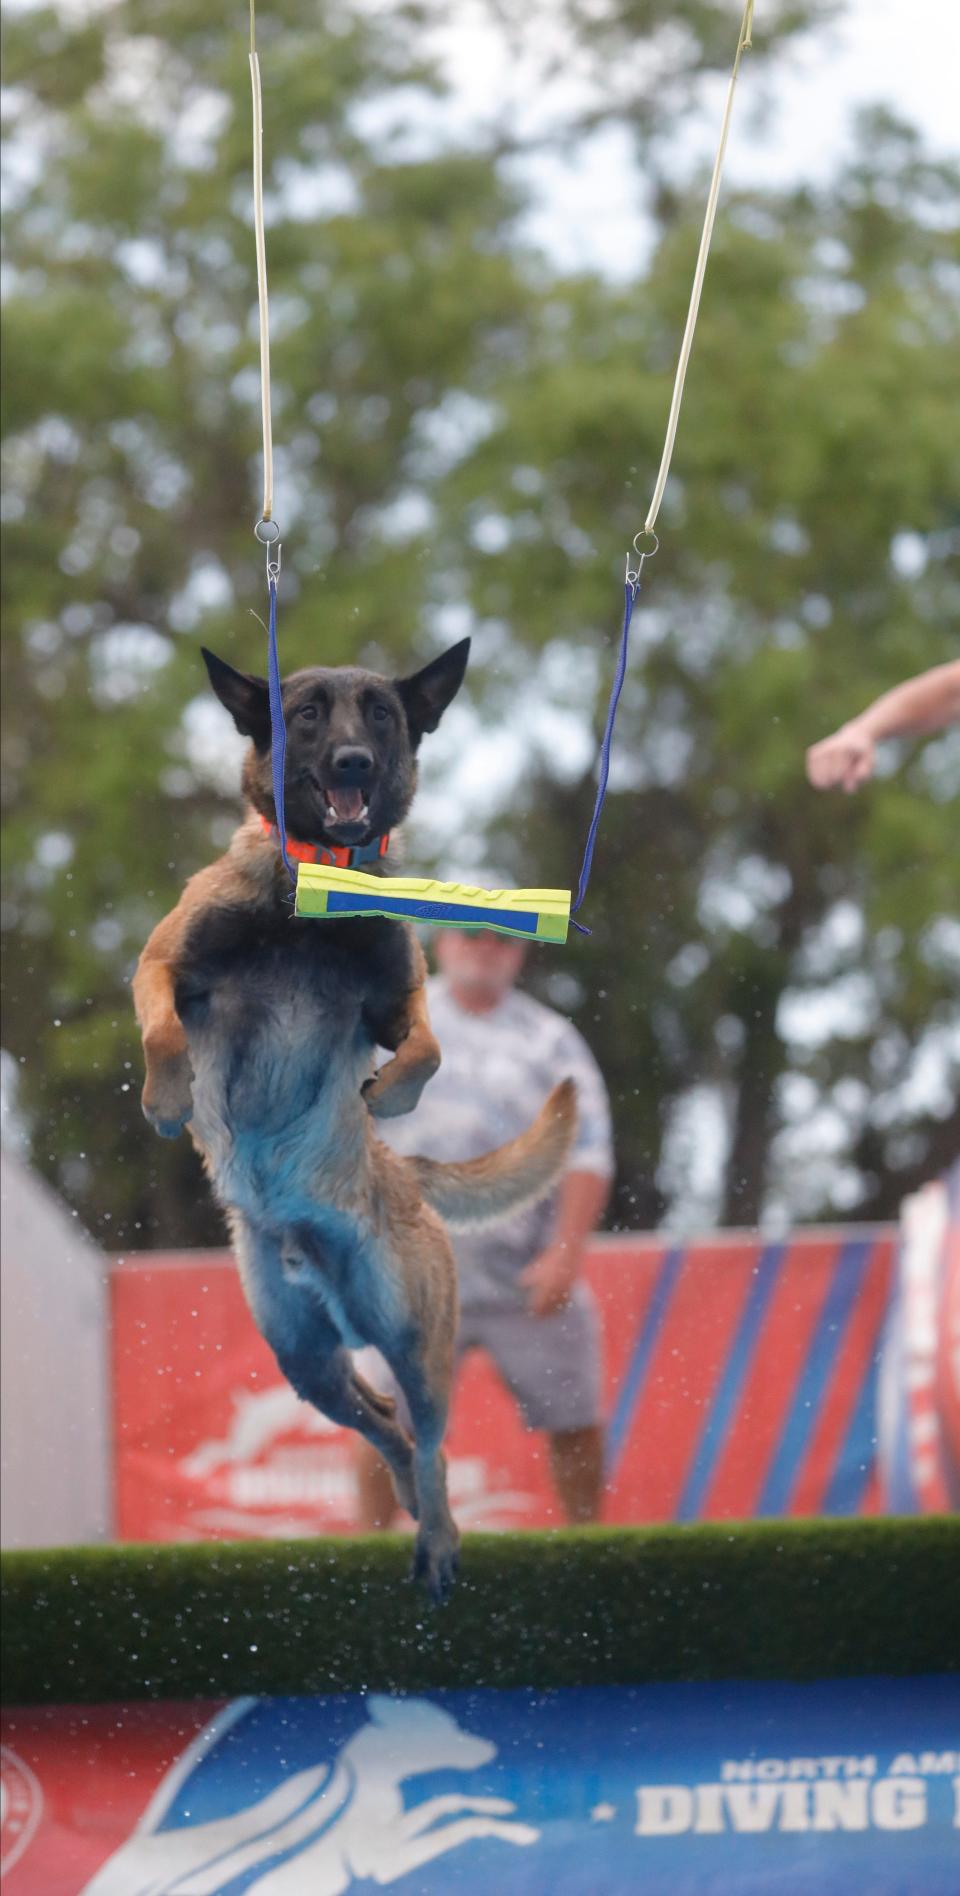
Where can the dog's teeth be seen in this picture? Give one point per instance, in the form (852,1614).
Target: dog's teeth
(334,816)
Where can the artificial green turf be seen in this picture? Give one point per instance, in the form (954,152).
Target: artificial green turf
(790,1600)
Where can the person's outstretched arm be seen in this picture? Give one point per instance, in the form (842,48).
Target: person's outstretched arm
(915,708)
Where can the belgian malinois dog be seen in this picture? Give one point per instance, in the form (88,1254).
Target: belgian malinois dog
(260,1032)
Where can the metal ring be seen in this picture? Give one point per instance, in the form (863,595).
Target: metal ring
(648,552)
(267,532)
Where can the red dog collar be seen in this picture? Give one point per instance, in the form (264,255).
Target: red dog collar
(324,853)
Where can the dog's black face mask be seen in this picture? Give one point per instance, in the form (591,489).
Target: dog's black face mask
(352,741)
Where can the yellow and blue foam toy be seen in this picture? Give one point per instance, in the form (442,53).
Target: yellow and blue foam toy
(325,891)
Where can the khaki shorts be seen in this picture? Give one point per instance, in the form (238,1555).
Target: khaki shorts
(551,1365)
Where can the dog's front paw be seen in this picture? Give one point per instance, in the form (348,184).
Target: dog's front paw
(167,1098)
(396,1089)
(390,1101)
(436,1561)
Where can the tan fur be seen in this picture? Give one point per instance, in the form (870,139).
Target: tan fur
(325,1190)
(479,1191)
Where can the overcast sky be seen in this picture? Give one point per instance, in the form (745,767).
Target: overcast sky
(904,53)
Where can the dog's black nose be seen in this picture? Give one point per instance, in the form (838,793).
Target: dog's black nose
(352,764)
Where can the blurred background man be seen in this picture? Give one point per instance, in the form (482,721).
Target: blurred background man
(522,1297)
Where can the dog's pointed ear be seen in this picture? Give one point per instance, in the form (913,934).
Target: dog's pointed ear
(427,694)
(246,698)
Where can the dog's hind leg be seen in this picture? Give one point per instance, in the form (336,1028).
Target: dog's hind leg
(424,1372)
(436,1553)
(334,1387)
(310,1352)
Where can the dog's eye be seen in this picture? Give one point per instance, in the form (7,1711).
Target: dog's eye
(308,711)
(379,713)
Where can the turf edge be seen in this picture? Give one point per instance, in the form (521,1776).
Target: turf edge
(789,1600)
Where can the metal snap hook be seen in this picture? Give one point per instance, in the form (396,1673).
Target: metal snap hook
(268,534)
(634,574)
(645,553)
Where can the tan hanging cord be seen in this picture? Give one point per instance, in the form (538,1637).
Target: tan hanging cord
(267,513)
(744,42)
(686,346)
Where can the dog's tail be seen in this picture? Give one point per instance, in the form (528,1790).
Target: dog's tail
(479,1191)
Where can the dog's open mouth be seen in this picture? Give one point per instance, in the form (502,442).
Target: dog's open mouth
(345,807)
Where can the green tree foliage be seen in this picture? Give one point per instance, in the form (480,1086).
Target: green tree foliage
(789,958)
(460,431)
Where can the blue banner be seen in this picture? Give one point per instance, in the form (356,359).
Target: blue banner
(715,1790)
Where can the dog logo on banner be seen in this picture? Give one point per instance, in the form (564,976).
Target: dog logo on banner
(323,1827)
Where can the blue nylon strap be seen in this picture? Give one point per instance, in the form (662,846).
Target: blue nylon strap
(278,728)
(630,591)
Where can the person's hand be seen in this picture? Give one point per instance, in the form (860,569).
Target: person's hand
(549,1280)
(843,761)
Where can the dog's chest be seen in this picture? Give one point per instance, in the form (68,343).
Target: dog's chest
(270,1000)
(271,1049)
(280,1020)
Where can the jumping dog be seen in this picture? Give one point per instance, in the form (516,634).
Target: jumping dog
(260,1032)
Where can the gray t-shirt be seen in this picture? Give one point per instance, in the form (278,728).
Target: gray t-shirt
(497,1070)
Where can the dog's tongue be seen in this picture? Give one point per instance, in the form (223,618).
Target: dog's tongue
(346,804)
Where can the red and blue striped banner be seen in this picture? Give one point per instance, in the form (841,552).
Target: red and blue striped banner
(741,1380)
(749,1384)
